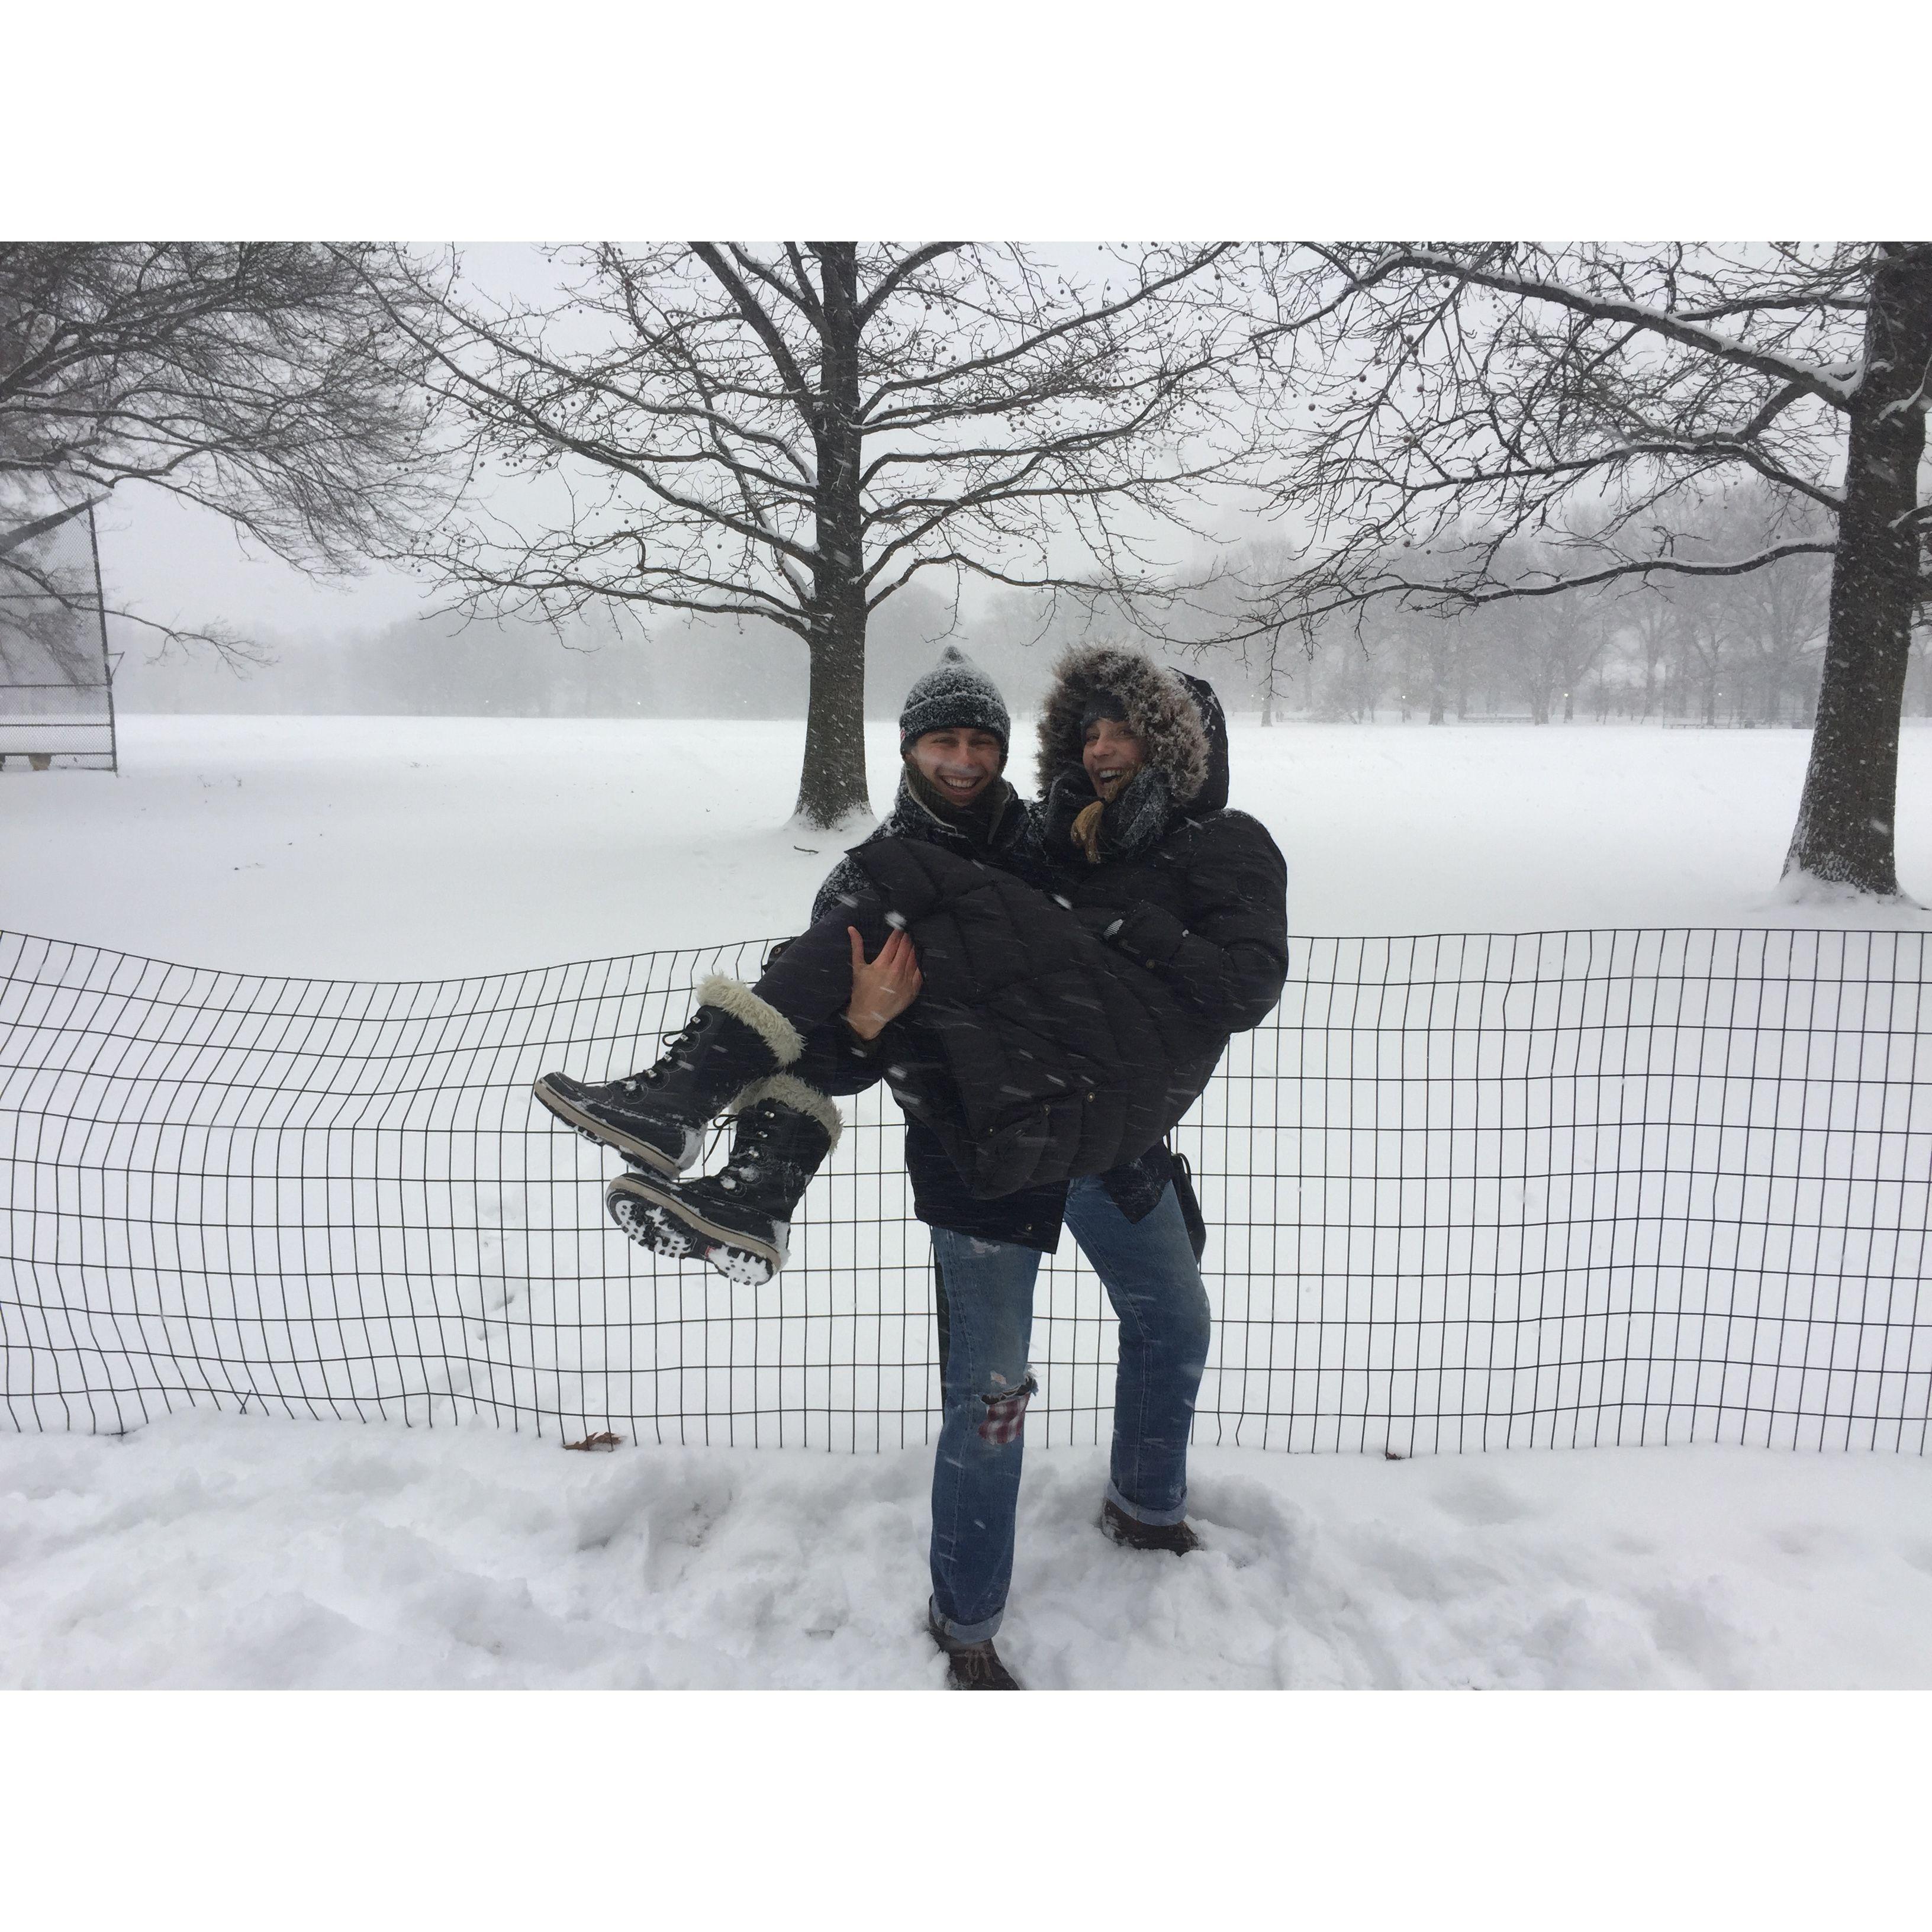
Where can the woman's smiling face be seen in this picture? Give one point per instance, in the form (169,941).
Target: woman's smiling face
(1112,754)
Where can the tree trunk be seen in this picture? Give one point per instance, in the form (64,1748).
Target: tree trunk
(1844,835)
(831,783)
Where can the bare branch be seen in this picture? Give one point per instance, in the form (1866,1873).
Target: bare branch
(1829,386)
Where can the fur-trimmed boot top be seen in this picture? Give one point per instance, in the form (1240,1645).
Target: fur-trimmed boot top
(655,1117)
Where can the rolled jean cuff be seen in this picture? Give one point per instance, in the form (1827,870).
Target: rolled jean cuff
(1152,1518)
(963,1633)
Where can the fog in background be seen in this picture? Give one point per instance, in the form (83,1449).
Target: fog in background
(1727,651)
(594,666)
(1742,655)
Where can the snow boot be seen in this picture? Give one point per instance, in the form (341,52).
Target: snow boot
(971,1666)
(1117,1526)
(739,1220)
(655,1118)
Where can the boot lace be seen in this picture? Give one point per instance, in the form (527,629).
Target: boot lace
(676,1045)
(762,1119)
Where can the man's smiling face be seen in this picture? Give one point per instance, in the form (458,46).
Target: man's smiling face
(958,764)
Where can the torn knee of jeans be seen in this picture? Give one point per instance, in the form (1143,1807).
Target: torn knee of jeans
(1005,1412)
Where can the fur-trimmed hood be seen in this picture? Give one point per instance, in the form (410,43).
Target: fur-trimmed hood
(1177,718)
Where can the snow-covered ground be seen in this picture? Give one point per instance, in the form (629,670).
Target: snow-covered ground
(222,1551)
(218,1551)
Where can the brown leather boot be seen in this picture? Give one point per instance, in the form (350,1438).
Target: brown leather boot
(972,1666)
(1132,1534)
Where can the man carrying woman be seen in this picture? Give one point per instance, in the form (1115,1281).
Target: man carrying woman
(1078,970)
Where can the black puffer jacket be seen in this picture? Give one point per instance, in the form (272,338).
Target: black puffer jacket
(1036,1053)
(1201,890)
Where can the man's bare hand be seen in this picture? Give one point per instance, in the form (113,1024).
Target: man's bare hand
(883,988)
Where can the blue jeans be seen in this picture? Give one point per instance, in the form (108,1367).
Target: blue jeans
(1148,1269)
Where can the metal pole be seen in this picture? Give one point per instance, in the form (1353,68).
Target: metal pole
(107,669)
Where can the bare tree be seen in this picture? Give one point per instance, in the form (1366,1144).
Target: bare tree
(1783,610)
(1569,646)
(1709,637)
(794,432)
(1583,394)
(266,381)
(1649,625)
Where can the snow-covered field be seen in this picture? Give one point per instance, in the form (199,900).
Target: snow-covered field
(412,847)
(220,1551)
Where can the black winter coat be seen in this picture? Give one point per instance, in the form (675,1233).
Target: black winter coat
(1201,890)
(1027,1011)
(1036,1054)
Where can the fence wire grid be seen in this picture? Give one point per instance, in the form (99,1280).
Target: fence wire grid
(1463,1191)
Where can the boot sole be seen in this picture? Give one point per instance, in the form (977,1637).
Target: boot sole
(638,1153)
(651,1228)
(634,1206)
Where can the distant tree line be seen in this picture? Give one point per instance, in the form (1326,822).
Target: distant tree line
(1742,651)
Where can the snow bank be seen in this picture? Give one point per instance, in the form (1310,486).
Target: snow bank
(225,1553)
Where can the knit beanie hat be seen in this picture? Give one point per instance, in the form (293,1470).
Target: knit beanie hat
(954,695)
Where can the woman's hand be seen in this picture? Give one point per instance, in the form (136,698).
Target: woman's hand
(883,989)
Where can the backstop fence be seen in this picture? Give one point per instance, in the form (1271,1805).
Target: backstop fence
(56,679)
(1463,1191)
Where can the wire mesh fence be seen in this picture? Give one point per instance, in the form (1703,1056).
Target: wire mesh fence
(1463,1191)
